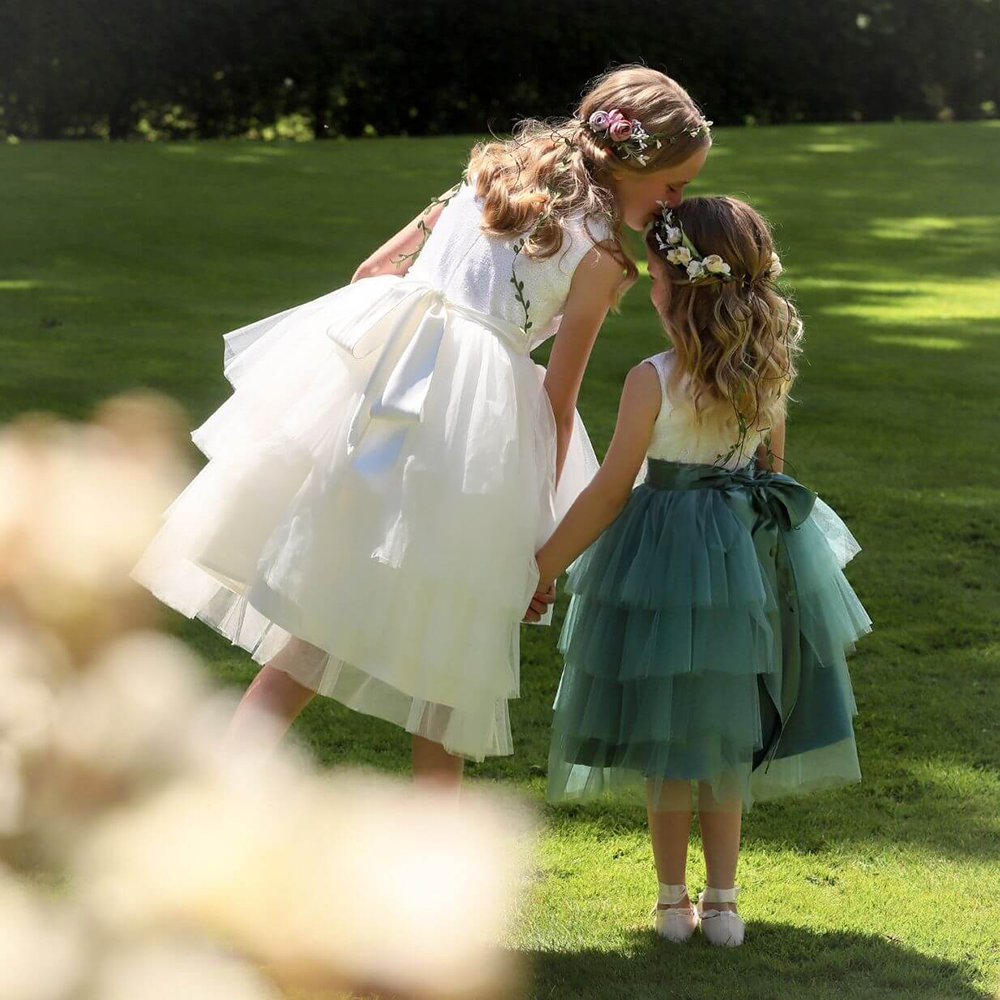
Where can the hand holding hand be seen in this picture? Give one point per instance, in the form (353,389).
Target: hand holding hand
(544,596)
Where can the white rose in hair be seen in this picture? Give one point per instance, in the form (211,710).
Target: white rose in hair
(679,255)
(775,269)
(714,264)
(673,235)
(696,269)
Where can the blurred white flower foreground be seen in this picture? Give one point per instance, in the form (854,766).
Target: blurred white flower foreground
(140,859)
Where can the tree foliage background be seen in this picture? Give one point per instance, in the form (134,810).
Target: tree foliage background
(263,68)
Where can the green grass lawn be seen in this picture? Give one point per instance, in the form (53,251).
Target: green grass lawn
(123,265)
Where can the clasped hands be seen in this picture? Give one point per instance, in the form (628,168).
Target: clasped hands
(545,595)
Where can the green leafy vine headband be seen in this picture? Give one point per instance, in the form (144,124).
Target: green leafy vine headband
(629,139)
(678,249)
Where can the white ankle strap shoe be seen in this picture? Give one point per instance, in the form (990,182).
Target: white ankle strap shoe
(720,927)
(677,923)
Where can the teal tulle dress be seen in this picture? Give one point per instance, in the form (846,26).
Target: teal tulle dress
(707,635)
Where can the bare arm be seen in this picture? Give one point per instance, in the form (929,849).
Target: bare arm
(398,252)
(602,501)
(590,296)
(776,461)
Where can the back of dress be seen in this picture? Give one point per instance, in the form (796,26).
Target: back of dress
(677,437)
(474,268)
(379,482)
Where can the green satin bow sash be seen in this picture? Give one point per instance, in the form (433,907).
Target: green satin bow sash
(770,504)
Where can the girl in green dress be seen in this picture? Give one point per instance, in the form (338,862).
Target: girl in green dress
(706,638)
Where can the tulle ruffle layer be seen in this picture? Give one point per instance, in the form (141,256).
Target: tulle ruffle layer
(390,573)
(673,655)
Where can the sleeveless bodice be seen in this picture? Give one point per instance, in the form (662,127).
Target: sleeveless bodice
(474,269)
(678,438)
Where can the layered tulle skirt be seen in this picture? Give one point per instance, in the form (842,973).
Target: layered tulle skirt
(376,488)
(706,641)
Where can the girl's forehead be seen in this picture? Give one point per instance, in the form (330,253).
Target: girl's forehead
(686,170)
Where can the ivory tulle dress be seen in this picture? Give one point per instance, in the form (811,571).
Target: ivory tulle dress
(379,481)
(708,632)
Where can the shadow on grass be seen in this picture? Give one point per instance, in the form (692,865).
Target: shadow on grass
(777,960)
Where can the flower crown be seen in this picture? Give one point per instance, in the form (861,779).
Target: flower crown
(630,139)
(681,252)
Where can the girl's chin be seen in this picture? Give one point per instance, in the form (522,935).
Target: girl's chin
(641,224)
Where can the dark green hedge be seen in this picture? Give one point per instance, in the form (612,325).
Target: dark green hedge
(228,67)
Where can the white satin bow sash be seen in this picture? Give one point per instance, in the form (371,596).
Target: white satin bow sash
(406,325)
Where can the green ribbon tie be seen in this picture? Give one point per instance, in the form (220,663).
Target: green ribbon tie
(770,504)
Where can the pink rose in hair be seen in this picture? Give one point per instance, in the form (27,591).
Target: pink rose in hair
(600,120)
(620,129)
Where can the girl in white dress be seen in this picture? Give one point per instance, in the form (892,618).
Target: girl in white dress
(391,457)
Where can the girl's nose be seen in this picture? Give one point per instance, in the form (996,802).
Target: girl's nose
(674,198)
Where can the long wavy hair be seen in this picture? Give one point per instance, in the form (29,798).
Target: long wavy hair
(736,341)
(551,171)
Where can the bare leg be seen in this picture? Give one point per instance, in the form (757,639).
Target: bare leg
(720,837)
(273,697)
(668,807)
(434,766)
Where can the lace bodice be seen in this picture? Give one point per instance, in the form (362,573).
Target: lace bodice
(474,268)
(677,438)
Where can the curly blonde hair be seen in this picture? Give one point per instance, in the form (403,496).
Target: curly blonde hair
(736,340)
(554,170)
